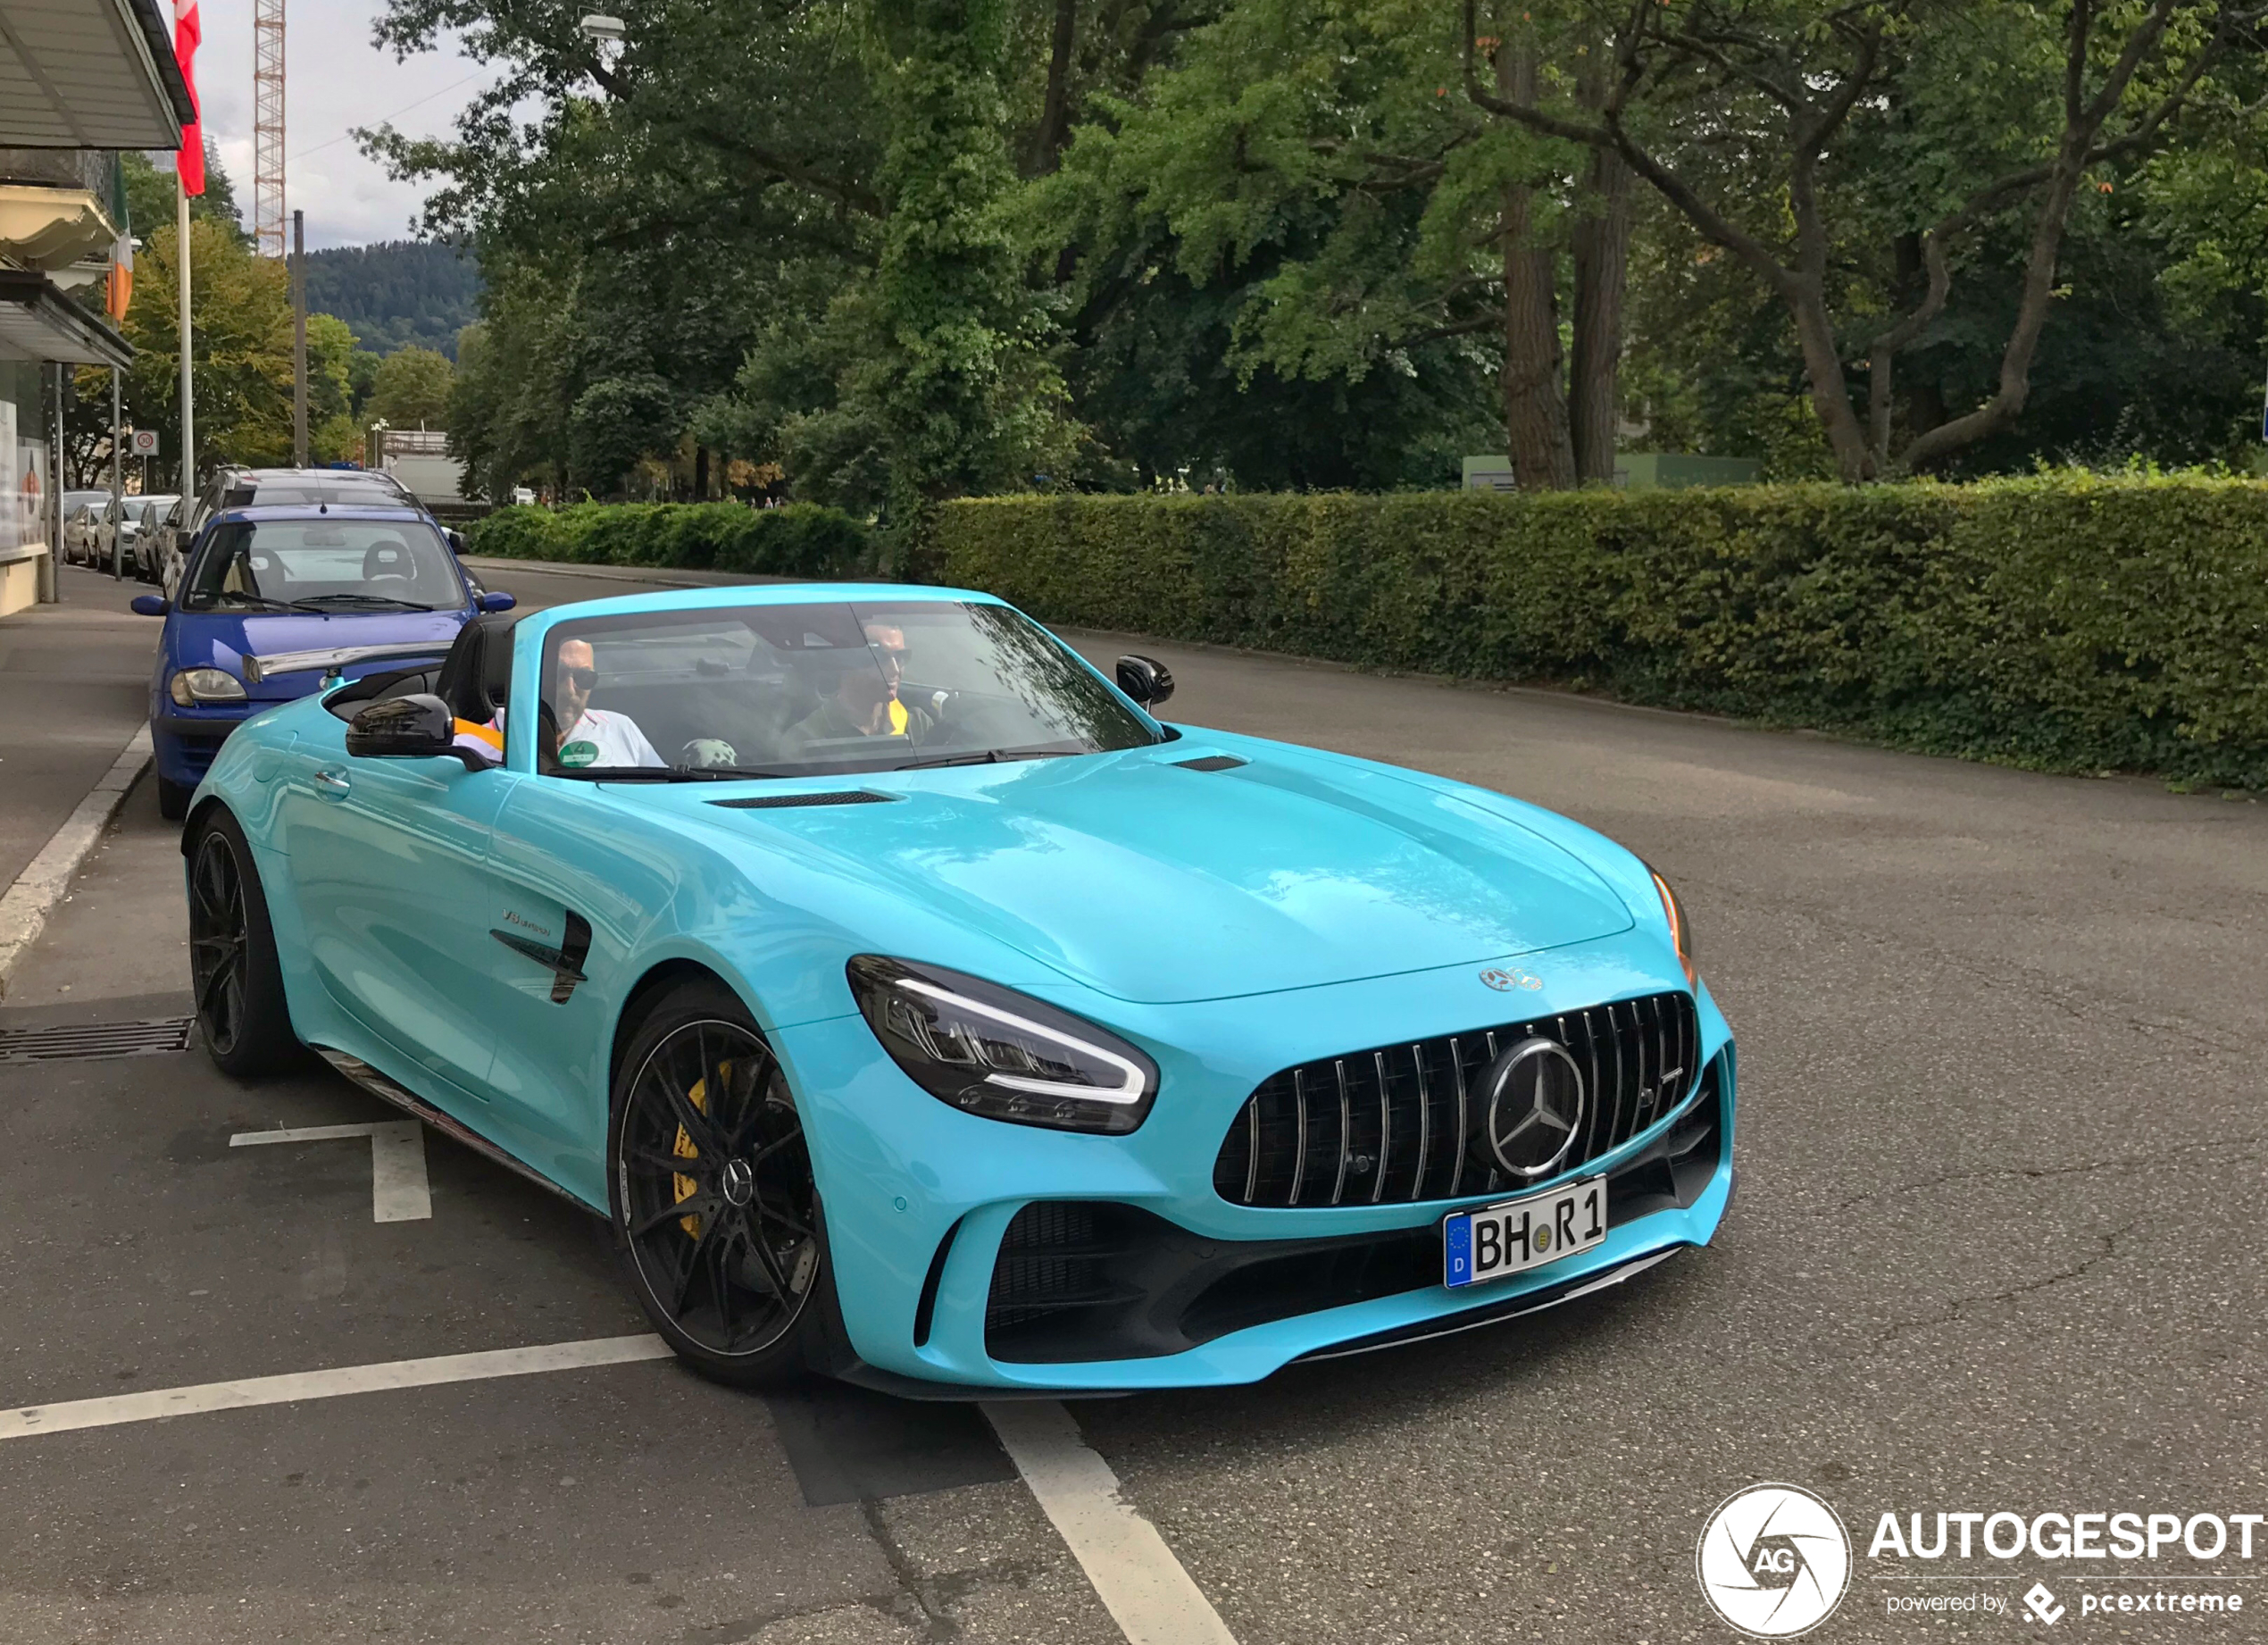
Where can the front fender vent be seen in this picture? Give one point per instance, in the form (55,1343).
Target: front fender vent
(778,802)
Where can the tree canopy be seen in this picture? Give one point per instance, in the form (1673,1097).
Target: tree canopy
(892,251)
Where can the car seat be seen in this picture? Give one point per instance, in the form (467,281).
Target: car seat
(476,676)
(387,557)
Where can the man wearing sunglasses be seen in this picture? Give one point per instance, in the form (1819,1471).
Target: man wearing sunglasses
(865,702)
(591,736)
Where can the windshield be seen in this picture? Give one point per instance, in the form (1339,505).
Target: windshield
(325,565)
(793,691)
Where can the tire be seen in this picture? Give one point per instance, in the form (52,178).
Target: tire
(740,1287)
(173,799)
(240,1011)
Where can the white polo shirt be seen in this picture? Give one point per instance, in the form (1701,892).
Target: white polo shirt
(604,739)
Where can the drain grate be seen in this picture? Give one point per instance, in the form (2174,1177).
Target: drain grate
(91,1039)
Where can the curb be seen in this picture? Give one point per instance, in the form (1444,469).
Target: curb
(25,907)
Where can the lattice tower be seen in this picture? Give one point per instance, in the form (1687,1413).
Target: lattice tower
(267,127)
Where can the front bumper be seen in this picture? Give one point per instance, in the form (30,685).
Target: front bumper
(1001,1257)
(185,742)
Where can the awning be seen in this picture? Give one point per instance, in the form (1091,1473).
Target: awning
(38,323)
(89,74)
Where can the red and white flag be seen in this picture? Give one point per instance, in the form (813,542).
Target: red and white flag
(187,31)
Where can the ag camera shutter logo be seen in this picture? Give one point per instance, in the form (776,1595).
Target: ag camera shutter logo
(1773,1561)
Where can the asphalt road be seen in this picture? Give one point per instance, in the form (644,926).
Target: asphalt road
(1996,1247)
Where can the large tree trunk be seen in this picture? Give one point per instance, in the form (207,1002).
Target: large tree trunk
(1535,431)
(1602,274)
(1054,113)
(1831,395)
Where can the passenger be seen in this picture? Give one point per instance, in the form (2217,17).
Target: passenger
(587,736)
(865,702)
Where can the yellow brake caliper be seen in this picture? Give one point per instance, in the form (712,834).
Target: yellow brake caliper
(685,1186)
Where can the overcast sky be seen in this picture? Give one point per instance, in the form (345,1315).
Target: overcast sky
(334,79)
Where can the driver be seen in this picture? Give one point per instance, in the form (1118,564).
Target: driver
(591,736)
(865,702)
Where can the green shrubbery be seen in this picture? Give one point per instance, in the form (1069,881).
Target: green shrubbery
(799,540)
(2065,622)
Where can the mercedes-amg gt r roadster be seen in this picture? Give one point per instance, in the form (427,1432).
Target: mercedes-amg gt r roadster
(921,1009)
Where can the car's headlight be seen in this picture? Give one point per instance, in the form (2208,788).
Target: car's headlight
(1680,933)
(193,686)
(1000,1054)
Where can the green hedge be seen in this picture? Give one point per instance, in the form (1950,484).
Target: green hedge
(2066,622)
(799,540)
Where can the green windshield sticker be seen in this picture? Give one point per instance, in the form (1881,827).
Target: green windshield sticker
(579,754)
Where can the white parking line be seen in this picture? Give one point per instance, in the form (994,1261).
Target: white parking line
(25,906)
(326,1384)
(1140,1583)
(399,1192)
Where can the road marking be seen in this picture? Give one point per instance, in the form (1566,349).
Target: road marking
(28,903)
(328,1385)
(398,1188)
(1140,1583)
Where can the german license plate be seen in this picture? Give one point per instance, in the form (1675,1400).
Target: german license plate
(1499,1240)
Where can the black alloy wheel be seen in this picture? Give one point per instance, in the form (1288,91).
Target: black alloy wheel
(240,1011)
(715,1210)
(218,927)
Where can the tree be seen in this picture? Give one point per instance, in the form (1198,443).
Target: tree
(1933,118)
(1384,243)
(151,197)
(411,389)
(241,327)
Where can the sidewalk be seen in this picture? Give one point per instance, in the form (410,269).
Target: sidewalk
(74,687)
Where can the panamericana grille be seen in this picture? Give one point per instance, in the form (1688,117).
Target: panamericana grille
(1399,1124)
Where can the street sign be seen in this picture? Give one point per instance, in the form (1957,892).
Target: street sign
(145,443)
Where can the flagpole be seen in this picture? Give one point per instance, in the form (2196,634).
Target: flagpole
(188,398)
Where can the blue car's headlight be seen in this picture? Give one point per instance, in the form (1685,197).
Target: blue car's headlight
(1000,1054)
(192,686)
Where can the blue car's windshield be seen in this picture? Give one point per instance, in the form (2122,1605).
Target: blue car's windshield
(788,691)
(324,564)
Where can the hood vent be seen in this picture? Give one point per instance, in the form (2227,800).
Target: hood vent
(1213,762)
(775,802)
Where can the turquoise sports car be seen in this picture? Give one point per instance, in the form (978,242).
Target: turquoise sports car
(921,1009)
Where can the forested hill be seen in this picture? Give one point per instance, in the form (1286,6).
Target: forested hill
(396,293)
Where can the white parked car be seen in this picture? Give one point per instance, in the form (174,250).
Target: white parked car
(81,525)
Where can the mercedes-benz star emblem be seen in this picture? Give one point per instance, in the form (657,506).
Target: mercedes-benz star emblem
(740,1183)
(1533,1104)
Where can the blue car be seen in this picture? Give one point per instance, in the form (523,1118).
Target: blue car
(273,601)
(921,1009)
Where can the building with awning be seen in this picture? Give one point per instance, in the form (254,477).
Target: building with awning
(79,81)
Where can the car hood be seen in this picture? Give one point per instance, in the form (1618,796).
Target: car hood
(1154,883)
(224,638)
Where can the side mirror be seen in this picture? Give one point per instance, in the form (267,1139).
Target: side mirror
(497,601)
(149,606)
(456,541)
(418,727)
(1146,679)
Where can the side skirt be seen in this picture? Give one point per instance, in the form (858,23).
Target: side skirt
(386,1089)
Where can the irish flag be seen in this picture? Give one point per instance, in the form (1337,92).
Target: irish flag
(187,33)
